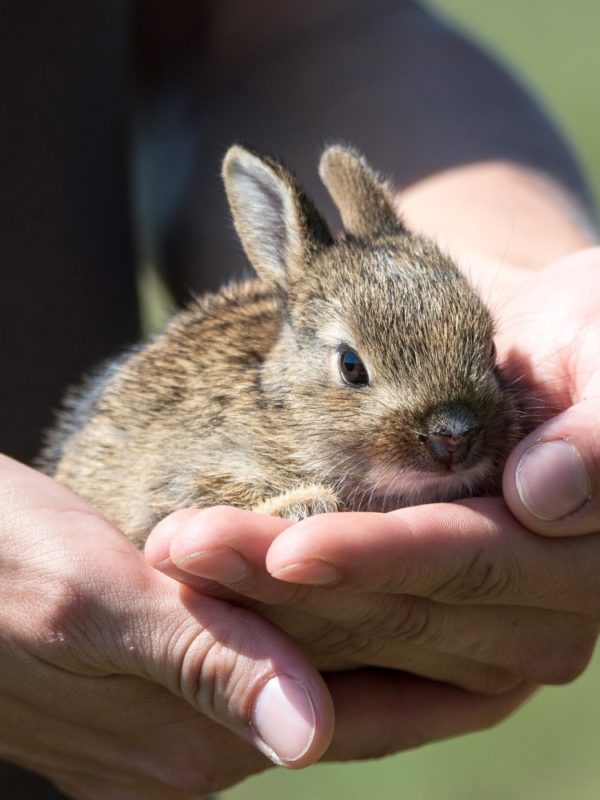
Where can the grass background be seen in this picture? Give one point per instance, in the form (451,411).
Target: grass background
(551,749)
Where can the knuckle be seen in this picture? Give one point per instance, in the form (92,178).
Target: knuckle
(404,619)
(493,713)
(219,667)
(564,664)
(400,619)
(297,595)
(492,680)
(338,644)
(484,578)
(207,669)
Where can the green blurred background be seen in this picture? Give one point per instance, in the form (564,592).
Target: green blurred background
(551,749)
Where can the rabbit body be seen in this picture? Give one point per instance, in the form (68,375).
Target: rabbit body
(352,374)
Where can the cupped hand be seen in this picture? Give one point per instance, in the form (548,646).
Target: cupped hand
(462,593)
(115,682)
(118,683)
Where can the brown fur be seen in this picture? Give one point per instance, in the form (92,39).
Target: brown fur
(240,399)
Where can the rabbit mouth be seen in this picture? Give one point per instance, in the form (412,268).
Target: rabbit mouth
(408,487)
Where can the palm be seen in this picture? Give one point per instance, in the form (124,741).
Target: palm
(549,335)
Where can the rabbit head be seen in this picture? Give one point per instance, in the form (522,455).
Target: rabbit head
(385,360)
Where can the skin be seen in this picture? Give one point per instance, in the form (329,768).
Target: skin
(54,549)
(104,648)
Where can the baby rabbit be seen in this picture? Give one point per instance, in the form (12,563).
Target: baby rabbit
(354,374)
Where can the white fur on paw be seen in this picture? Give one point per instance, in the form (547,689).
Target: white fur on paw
(297,504)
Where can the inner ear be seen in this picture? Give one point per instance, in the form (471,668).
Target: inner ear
(262,211)
(364,199)
(277,225)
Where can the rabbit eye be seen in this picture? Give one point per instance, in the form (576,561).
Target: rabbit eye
(352,369)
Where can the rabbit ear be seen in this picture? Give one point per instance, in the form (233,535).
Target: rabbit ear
(277,224)
(364,200)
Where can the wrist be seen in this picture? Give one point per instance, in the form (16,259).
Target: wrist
(501,221)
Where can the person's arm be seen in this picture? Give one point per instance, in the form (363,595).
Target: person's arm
(478,164)
(68,294)
(501,220)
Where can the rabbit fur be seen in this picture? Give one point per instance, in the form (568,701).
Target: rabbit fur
(242,399)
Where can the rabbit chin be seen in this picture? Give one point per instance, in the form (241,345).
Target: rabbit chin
(412,487)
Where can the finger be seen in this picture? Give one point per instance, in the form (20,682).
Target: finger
(552,478)
(220,551)
(472,552)
(158,555)
(366,630)
(342,629)
(463,673)
(478,648)
(481,648)
(380,712)
(362,631)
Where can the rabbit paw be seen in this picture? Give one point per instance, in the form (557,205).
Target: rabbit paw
(297,504)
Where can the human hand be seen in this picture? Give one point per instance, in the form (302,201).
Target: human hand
(115,682)
(551,331)
(474,634)
(447,591)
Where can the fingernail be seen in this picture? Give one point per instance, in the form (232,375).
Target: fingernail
(313,571)
(552,480)
(284,718)
(220,564)
(163,566)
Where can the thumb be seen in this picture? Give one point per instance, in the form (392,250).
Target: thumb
(552,478)
(233,666)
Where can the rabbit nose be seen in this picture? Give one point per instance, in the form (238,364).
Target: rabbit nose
(450,433)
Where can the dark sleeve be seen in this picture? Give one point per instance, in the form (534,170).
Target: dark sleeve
(389,77)
(67,278)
